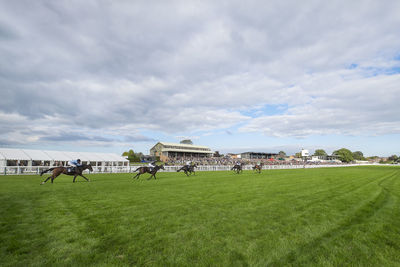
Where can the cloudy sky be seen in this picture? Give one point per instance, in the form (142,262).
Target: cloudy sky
(236,76)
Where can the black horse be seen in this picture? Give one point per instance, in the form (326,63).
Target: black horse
(146,169)
(238,168)
(73,171)
(258,167)
(188,169)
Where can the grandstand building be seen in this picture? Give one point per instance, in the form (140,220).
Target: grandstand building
(166,151)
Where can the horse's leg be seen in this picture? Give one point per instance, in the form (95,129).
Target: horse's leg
(74,179)
(46,180)
(84,177)
(54,176)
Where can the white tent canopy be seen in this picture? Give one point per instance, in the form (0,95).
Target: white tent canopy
(52,155)
(14,154)
(37,155)
(57,155)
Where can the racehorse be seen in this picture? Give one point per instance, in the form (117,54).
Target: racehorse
(145,169)
(258,167)
(188,169)
(75,171)
(237,168)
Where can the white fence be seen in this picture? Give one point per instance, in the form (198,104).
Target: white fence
(22,170)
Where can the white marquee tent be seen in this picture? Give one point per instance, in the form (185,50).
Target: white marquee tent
(30,157)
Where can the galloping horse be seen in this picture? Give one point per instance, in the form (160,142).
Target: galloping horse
(188,169)
(146,169)
(237,168)
(75,171)
(258,167)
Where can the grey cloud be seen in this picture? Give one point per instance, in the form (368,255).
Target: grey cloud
(74,137)
(138,138)
(354,107)
(179,67)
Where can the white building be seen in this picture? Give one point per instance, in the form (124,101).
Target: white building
(305,153)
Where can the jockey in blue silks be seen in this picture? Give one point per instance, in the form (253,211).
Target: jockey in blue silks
(75,163)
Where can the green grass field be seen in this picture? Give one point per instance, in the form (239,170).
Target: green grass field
(325,217)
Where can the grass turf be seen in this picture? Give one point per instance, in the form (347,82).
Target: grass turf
(327,217)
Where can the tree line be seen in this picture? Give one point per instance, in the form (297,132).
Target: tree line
(132,156)
(343,154)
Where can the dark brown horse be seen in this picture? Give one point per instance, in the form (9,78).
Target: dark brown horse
(188,169)
(145,169)
(73,171)
(258,167)
(238,168)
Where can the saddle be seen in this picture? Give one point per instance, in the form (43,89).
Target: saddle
(71,170)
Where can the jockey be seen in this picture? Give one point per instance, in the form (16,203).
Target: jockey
(188,163)
(75,163)
(152,165)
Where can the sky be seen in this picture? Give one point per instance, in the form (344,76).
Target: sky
(236,76)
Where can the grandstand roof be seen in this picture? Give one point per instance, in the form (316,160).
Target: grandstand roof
(46,155)
(182,145)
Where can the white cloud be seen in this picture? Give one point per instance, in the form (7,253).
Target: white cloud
(357,107)
(87,67)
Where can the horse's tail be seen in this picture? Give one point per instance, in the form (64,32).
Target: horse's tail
(137,169)
(43,172)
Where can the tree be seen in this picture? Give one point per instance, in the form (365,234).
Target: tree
(358,155)
(187,142)
(344,155)
(298,155)
(132,156)
(217,155)
(320,152)
(393,158)
(282,154)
